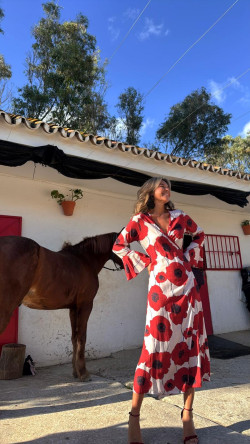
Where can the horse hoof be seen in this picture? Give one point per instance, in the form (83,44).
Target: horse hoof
(85,378)
(75,375)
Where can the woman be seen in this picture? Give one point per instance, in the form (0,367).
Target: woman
(175,356)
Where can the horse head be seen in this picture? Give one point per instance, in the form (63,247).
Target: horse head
(113,257)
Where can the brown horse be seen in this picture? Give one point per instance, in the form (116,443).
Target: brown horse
(39,278)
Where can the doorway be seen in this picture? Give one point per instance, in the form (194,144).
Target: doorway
(10,226)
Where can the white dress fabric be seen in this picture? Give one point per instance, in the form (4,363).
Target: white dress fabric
(175,353)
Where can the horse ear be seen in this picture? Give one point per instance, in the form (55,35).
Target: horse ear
(117,234)
(66,244)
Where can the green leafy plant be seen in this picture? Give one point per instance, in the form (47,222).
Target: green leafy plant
(74,195)
(245,222)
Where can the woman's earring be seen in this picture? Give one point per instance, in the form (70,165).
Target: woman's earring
(150,202)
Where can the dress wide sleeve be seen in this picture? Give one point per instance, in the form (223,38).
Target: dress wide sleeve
(134,261)
(194,252)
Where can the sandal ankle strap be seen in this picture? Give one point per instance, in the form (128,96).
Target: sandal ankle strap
(132,414)
(184,408)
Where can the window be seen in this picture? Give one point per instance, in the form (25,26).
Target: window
(222,252)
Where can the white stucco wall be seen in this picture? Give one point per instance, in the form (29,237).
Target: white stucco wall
(118,317)
(227,301)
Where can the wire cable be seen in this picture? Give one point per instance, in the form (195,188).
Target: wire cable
(189,49)
(239,117)
(123,40)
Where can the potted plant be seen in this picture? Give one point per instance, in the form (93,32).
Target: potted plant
(67,201)
(246,226)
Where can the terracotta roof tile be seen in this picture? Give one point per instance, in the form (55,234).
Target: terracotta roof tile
(33,124)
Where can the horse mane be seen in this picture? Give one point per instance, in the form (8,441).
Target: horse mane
(96,245)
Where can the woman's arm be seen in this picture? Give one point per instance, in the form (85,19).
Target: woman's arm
(134,261)
(194,252)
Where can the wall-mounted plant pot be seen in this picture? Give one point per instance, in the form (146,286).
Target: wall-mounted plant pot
(68,207)
(246,229)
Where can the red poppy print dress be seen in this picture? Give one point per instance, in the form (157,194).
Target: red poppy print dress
(175,353)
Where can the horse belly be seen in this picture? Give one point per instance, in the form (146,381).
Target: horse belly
(34,300)
(41,300)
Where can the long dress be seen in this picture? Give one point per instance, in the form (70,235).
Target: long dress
(175,355)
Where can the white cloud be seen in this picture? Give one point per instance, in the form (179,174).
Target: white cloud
(235,83)
(246,129)
(150,28)
(232,83)
(120,125)
(113,30)
(117,132)
(216,91)
(148,123)
(245,100)
(131,13)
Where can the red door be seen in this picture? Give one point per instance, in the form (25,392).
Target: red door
(10,226)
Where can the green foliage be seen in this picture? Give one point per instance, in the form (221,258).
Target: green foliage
(153,146)
(233,153)
(5,70)
(5,75)
(63,73)
(245,222)
(75,194)
(1,17)
(130,107)
(194,126)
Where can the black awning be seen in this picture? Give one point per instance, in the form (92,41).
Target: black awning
(13,155)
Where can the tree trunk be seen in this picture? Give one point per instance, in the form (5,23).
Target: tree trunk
(11,361)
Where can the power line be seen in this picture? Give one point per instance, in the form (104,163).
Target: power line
(123,40)
(242,115)
(218,90)
(189,49)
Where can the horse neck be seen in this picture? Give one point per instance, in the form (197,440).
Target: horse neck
(98,250)
(98,261)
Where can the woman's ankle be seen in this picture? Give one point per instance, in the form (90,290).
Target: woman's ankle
(135,412)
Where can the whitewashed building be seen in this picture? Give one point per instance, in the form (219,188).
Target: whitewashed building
(118,317)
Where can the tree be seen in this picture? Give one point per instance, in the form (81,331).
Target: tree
(194,127)
(115,129)
(233,153)
(63,74)
(152,146)
(130,108)
(5,75)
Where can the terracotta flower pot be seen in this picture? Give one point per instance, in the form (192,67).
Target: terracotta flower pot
(246,229)
(68,207)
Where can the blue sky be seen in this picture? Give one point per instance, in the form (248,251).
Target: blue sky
(166,29)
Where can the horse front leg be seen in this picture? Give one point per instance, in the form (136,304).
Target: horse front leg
(5,317)
(8,305)
(83,314)
(73,321)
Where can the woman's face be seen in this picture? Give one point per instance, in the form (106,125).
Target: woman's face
(162,192)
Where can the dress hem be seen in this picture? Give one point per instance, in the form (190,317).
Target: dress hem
(175,390)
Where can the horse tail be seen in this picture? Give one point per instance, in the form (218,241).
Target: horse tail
(19,258)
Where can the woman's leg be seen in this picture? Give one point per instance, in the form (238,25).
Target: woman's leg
(134,431)
(187,418)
